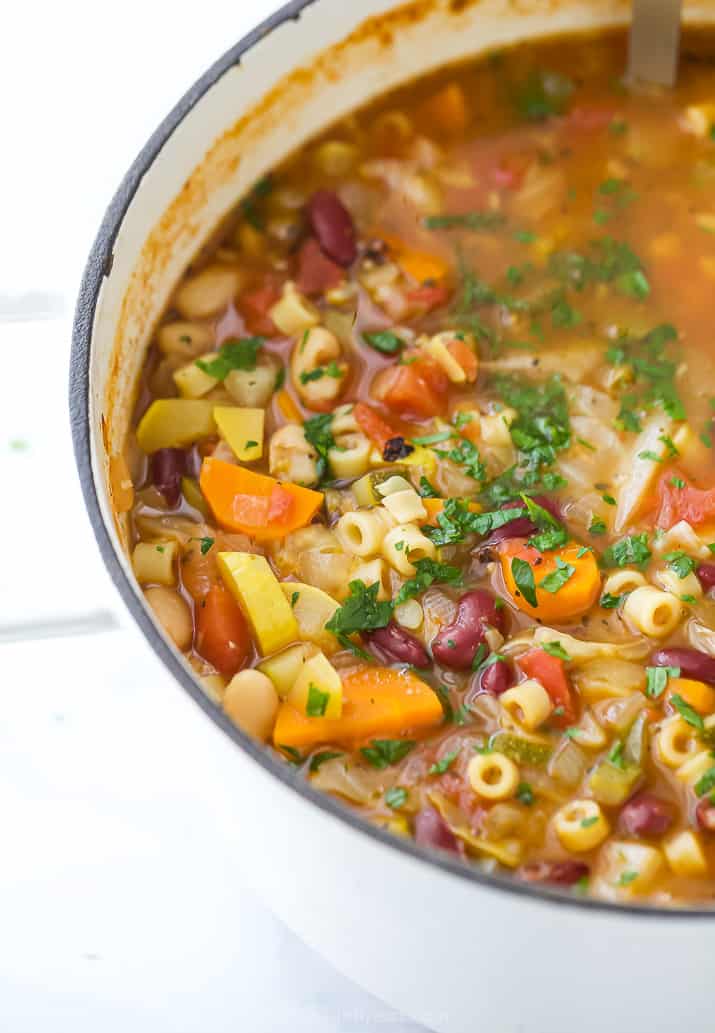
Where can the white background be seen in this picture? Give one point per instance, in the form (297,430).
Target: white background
(120,906)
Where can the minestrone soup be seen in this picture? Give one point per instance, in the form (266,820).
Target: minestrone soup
(424,483)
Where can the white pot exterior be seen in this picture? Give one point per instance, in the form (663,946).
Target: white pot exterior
(453,952)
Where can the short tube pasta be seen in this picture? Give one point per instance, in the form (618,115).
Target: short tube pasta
(493,776)
(362,532)
(621,582)
(580,825)
(654,613)
(405,544)
(529,704)
(374,572)
(351,458)
(675,742)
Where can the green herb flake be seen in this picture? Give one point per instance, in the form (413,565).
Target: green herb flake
(445,763)
(681,564)
(361,611)
(428,572)
(556,580)
(626,878)
(586,823)
(382,753)
(320,758)
(557,650)
(434,439)
(524,579)
(597,527)
(239,354)
(632,550)
(317,702)
(525,794)
(706,783)
(383,341)
(657,680)
(688,714)
(396,797)
(319,434)
(465,221)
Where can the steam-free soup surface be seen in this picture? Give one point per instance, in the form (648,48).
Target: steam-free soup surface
(423,469)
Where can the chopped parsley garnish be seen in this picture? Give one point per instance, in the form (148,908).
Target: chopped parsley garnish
(611,602)
(319,434)
(434,439)
(552,534)
(466,455)
(657,680)
(609,500)
(616,757)
(427,490)
(396,797)
(626,878)
(456,521)
(631,550)
(525,794)
(295,596)
(677,482)
(586,823)
(317,702)
(597,527)
(383,341)
(205,544)
(235,354)
(556,580)
(557,650)
(681,564)
(361,611)
(428,572)
(652,456)
(524,579)
(320,758)
(249,206)
(688,714)
(465,221)
(706,783)
(331,370)
(444,764)
(542,94)
(381,753)
(291,753)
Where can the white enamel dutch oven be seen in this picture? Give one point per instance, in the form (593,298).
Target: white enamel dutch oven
(455,949)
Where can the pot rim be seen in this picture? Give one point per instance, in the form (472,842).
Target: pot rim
(98,266)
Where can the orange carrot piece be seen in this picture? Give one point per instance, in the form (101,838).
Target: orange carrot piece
(378,702)
(254,504)
(422,266)
(466,358)
(697,694)
(576,596)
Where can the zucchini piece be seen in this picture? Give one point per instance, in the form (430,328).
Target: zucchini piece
(175,423)
(312,609)
(242,430)
(192,381)
(524,751)
(283,668)
(318,691)
(365,489)
(257,591)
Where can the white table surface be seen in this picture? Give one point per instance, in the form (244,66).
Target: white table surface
(119,909)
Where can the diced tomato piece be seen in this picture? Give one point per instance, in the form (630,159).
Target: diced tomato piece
(509,171)
(255,305)
(689,503)
(373,426)
(316,272)
(589,119)
(550,671)
(429,296)
(418,388)
(280,505)
(222,636)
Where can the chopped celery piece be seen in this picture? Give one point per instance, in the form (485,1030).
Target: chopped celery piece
(612,786)
(522,750)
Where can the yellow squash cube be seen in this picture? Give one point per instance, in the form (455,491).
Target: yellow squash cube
(242,430)
(318,691)
(175,423)
(257,591)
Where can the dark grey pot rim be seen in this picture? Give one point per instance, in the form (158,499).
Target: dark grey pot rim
(98,266)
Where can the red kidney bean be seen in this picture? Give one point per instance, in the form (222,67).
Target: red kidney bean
(646,815)
(705,815)
(432,830)
(692,663)
(457,643)
(167,469)
(332,224)
(706,575)
(393,643)
(556,873)
(496,678)
(522,527)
